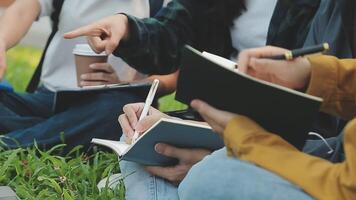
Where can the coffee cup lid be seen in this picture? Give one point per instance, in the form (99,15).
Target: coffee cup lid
(86,50)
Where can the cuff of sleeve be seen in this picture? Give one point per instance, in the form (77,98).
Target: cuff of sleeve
(238,132)
(323,76)
(129,46)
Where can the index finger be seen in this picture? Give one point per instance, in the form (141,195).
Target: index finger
(132,112)
(91,30)
(245,56)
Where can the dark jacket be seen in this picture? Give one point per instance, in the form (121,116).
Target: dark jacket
(155,43)
(333,23)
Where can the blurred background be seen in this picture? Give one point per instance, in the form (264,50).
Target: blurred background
(23,59)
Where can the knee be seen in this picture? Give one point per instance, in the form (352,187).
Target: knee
(205,180)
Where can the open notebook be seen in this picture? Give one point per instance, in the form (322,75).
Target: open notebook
(175,132)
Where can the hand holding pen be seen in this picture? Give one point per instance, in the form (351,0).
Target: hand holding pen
(148,103)
(278,65)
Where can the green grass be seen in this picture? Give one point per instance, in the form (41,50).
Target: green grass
(36,174)
(22,62)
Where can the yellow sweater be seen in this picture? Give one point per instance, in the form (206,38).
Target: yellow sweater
(335,81)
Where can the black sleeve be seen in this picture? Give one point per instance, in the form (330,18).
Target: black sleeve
(155,43)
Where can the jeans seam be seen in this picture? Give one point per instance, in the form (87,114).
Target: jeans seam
(153,188)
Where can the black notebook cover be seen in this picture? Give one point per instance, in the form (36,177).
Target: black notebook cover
(279,110)
(67,98)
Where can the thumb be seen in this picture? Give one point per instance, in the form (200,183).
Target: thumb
(112,43)
(171,151)
(204,109)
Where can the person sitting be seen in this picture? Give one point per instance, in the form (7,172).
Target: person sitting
(222,177)
(28,117)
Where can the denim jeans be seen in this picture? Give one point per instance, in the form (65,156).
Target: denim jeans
(217,176)
(28,117)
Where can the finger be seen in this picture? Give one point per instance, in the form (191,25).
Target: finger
(245,56)
(217,119)
(267,66)
(96,76)
(93,30)
(183,155)
(163,172)
(127,129)
(205,109)
(132,112)
(173,152)
(106,67)
(146,123)
(97,44)
(91,83)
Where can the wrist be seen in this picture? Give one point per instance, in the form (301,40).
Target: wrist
(125,22)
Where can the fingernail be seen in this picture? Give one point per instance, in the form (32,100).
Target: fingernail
(83,76)
(159,148)
(92,65)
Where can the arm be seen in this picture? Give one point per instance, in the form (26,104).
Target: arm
(168,83)
(335,81)
(248,141)
(157,41)
(186,157)
(322,179)
(14,23)
(152,45)
(328,77)
(17,20)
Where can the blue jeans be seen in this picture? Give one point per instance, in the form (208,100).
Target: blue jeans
(28,117)
(216,177)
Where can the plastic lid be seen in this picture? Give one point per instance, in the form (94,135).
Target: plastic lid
(85,50)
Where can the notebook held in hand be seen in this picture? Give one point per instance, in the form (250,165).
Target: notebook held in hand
(178,133)
(280,110)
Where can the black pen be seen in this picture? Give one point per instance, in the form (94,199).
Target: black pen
(290,55)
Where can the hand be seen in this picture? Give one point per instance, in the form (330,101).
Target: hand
(104,74)
(129,120)
(217,119)
(3,65)
(293,74)
(186,157)
(104,35)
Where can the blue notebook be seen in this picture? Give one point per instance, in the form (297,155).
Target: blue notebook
(175,132)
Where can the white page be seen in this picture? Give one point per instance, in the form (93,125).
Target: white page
(118,147)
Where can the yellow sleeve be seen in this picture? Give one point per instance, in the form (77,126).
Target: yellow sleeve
(335,81)
(321,179)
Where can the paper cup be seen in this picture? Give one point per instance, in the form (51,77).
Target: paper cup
(85,56)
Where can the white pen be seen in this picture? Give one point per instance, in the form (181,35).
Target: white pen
(148,103)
